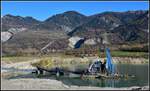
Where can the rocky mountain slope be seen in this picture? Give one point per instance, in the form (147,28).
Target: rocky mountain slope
(119,25)
(10,21)
(112,27)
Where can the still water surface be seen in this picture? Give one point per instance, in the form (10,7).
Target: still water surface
(140,79)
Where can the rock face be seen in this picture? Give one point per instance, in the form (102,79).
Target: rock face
(5,36)
(90,42)
(75,42)
(16,30)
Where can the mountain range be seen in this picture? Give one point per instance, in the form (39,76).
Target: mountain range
(118,27)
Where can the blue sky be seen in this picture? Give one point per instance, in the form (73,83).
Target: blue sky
(43,10)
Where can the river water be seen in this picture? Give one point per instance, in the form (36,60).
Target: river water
(139,71)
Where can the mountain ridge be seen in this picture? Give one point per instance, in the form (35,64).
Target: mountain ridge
(52,19)
(118,27)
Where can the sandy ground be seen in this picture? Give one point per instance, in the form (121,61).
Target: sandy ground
(49,84)
(44,84)
(40,83)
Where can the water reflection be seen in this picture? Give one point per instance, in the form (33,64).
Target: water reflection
(140,79)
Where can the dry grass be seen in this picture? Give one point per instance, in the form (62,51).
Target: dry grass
(62,62)
(17,59)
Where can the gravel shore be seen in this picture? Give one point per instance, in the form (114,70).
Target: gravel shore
(49,84)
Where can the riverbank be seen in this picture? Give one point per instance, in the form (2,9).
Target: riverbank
(50,84)
(67,62)
(61,61)
(25,67)
(130,60)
